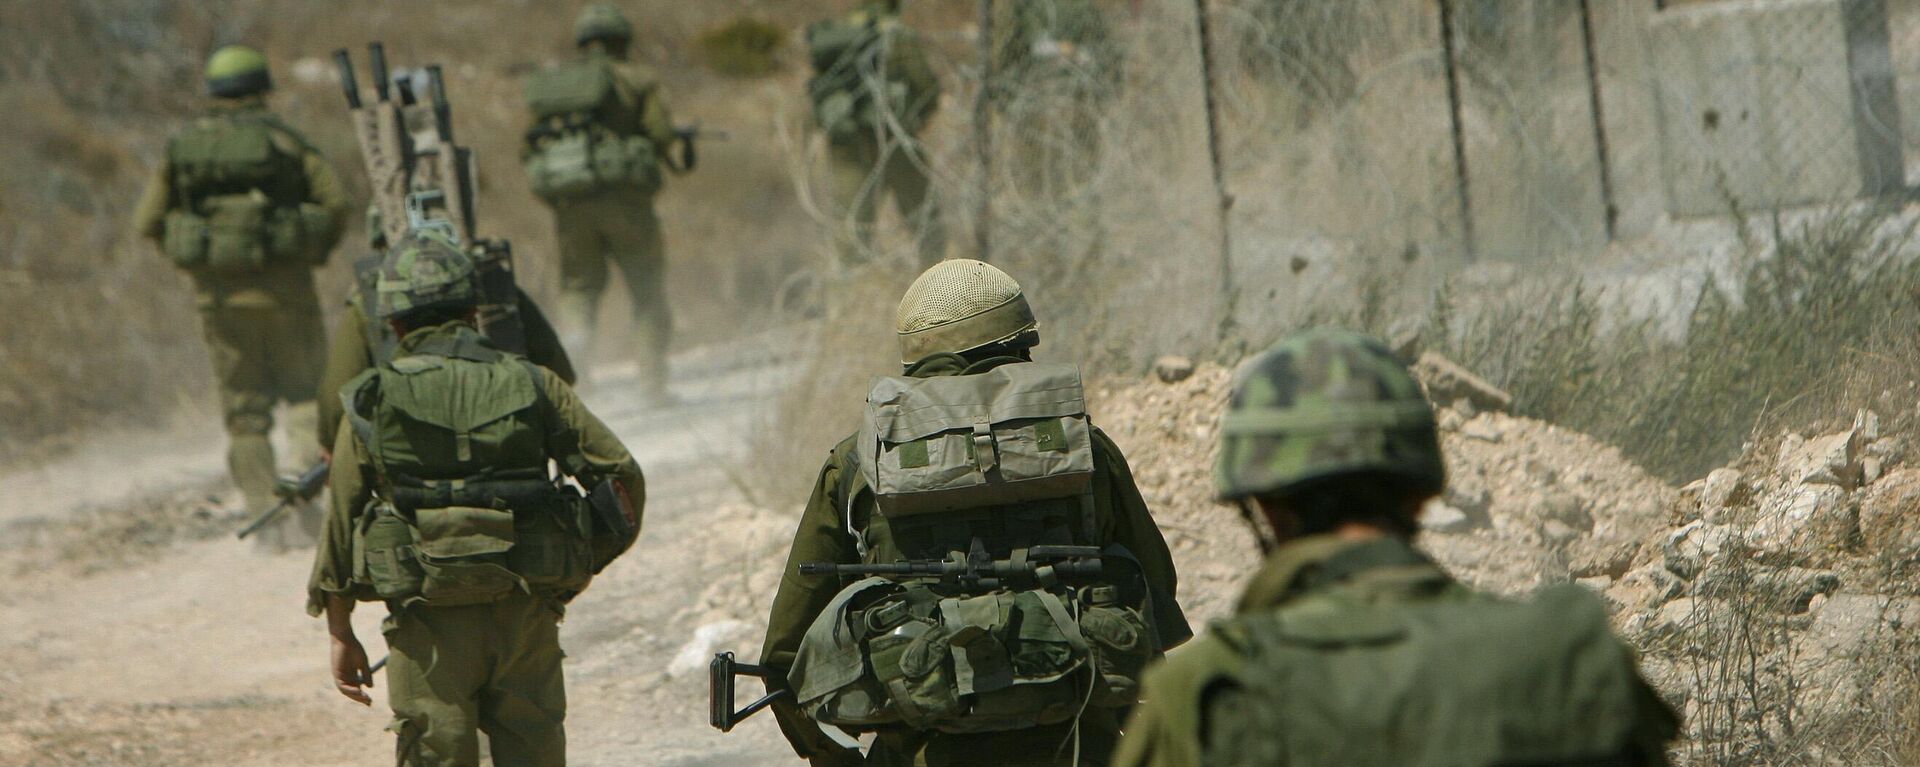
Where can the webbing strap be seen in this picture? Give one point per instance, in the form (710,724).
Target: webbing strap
(1068,625)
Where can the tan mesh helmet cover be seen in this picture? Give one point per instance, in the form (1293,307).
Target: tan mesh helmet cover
(960,305)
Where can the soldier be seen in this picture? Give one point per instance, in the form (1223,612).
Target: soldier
(966,335)
(600,137)
(443,507)
(247,207)
(1350,647)
(873,92)
(360,343)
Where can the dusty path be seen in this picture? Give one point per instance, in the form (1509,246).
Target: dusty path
(135,631)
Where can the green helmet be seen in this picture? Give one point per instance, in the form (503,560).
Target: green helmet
(235,71)
(428,270)
(1325,403)
(960,305)
(601,21)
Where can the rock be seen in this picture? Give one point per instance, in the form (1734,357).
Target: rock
(1805,519)
(1689,549)
(1447,382)
(1847,624)
(1890,514)
(1439,517)
(1786,590)
(1866,425)
(1482,428)
(1890,450)
(1644,589)
(1870,470)
(1450,420)
(1829,460)
(1172,369)
(1599,583)
(1600,556)
(1723,488)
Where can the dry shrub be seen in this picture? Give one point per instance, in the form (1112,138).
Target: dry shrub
(743,47)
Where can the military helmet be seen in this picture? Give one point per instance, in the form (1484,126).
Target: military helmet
(960,305)
(235,71)
(601,21)
(426,270)
(1320,404)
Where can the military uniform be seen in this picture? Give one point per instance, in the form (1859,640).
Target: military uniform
(1351,648)
(841,524)
(249,208)
(442,507)
(613,222)
(873,145)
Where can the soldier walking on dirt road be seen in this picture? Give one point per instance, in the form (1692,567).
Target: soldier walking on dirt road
(443,507)
(1352,648)
(247,207)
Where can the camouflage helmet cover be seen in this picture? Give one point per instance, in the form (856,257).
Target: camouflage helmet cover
(427,270)
(1320,404)
(601,21)
(960,305)
(235,71)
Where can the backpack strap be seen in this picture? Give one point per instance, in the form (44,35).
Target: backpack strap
(849,491)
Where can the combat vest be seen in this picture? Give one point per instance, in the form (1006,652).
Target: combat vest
(1444,678)
(464,512)
(572,149)
(240,186)
(854,90)
(989,465)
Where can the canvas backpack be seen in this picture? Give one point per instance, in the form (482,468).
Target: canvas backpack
(571,151)
(242,198)
(1337,679)
(991,464)
(853,90)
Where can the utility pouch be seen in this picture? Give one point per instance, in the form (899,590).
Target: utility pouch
(612,523)
(550,551)
(1121,645)
(562,166)
(185,239)
(388,557)
(641,169)
(463,555)
(300,235)
(236,237)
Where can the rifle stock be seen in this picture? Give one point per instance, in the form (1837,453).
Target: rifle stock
(300,490)
(721,674)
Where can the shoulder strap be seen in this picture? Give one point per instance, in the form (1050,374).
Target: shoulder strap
(850,487)
(367,383)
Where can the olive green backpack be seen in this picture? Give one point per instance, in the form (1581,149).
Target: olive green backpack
(1335,679)
(993,464)
(570,152)
(241,199)
(853,91)
(464,511)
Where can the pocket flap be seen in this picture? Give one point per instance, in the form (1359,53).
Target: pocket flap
(464,531)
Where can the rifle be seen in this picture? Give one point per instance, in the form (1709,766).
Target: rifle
(686,136)
(421,179)
(720,675)
(291,491)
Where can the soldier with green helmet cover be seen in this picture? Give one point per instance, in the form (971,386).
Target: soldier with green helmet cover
(873,93)
(1043,478)
(596,153)
(248,208)
(1350,647)
(444,507)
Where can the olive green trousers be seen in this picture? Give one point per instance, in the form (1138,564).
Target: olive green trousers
(860,171)
(264,356)
(621,228)
(453,672)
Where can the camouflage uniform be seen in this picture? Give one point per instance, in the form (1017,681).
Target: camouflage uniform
(936,341)
(1542,682)
(462,663)
(877,154)
(617,225)
(262,326)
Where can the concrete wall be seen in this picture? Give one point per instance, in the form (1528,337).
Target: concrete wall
(1777,103)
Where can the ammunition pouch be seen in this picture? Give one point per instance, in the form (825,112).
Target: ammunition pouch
(245,233)
(300,234)
(185,239)
(584,160)
(445,545)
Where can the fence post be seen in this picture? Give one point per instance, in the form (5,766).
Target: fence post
(983,138)
(1222,198)
(1610,211)
(1450,55)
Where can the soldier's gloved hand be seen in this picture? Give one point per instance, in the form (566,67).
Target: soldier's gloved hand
(839,757)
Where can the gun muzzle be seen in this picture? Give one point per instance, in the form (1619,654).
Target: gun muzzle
(343,63)
(442,112)
(377,60)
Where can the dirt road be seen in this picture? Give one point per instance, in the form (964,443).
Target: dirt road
(138,632)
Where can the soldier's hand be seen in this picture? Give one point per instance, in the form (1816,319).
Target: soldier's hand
(351,676)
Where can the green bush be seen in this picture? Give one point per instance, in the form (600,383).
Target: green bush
(744,47)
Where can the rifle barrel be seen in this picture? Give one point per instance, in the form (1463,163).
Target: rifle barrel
(377,60)
(442,111)
(343,62)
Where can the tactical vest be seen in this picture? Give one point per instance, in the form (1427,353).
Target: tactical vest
(572,149)
(456,433)
(853,90)
(241,194)
(1335,679)
(993,464)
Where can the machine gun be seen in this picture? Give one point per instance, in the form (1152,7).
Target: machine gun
(423,180)
(1038,566)
(291,491)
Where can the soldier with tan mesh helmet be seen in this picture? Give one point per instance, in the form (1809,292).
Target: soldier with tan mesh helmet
(979,460)
(1350,647)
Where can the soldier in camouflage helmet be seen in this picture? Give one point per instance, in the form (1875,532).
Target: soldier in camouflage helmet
(248,209)
(961,318)
(443,458)
(1349,646)
(595,153)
